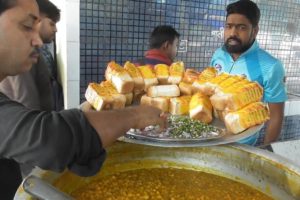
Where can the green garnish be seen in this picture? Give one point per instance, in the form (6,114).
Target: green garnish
(185,127)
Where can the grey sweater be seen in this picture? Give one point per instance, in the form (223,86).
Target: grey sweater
(49,140)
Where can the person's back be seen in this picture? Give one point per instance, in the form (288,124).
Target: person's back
(163,44)
(39,88)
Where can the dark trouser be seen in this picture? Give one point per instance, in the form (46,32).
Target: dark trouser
(10,178)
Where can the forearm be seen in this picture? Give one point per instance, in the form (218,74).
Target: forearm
(274,125)
(273,131)
(110,125)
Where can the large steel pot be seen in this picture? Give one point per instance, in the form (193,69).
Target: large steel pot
(263,170)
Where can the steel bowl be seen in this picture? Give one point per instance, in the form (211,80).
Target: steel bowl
(260,169)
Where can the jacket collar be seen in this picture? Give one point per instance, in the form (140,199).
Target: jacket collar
(158,55)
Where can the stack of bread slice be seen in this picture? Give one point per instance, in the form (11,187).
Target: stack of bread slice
(233,95)
(201,95)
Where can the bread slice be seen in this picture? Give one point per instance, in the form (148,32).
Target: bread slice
(185,88)
(207,74)
(237,96)
(136,75)
(129,98)
(251,115)
(163,91)
(176,72)
(104,96)
(161,103)
(200,108)
(208,87)
(119,78)
(191,75)
(180,105)
(162,73)
(148,75)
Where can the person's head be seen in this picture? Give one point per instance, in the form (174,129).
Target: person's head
(19,36)
(50,15)
(165,38)
(241,26)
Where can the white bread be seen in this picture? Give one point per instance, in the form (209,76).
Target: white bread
(135,75)
(129,98)
(161,103)
(180,105)
(148,75)
(190,76)
(176,72)
(162,73)
(251,115)
(119,78)
(200,108)
(208,87)
(219,114)
(163,91)
(185,88)
(104,97)
(237,96)
(207,74)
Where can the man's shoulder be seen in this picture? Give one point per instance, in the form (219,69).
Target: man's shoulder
(266,56)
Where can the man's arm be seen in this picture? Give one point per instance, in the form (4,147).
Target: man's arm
(112,124)
(275,123)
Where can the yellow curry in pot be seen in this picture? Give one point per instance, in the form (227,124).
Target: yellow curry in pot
(166,183)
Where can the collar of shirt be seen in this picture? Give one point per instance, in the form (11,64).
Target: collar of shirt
(158,55)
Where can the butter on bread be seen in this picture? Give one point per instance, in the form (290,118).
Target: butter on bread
(161,103)
(119,77)
(200,108)
(104,96)
(180,105)
(148,75)
(176,72)
(162,73)
(251,115)
(136,75)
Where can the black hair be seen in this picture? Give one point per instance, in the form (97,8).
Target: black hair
(161,34)
(47,8)
(247,8)
(6,4)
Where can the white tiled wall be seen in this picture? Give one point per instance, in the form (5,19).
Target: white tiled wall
(68,50)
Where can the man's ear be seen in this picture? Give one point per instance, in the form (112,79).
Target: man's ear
(255,30)
(165,45)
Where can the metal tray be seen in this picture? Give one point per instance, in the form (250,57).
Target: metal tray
(224,138)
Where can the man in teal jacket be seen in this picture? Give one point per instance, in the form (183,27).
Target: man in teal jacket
(242,55)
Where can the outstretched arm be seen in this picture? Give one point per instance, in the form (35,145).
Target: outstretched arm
(114,123)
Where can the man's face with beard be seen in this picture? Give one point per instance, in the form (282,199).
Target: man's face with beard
(239,34)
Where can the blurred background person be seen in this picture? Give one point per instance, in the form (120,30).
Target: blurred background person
(39,88)
(163,44)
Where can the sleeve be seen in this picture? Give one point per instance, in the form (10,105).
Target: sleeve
(21,88)
(50,140)
(274,86)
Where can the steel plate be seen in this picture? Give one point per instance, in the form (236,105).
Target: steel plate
(224,138)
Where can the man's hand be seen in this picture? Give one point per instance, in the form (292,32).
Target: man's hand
(86,106)
(148,115)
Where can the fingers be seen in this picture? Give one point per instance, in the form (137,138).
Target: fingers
(86,106)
